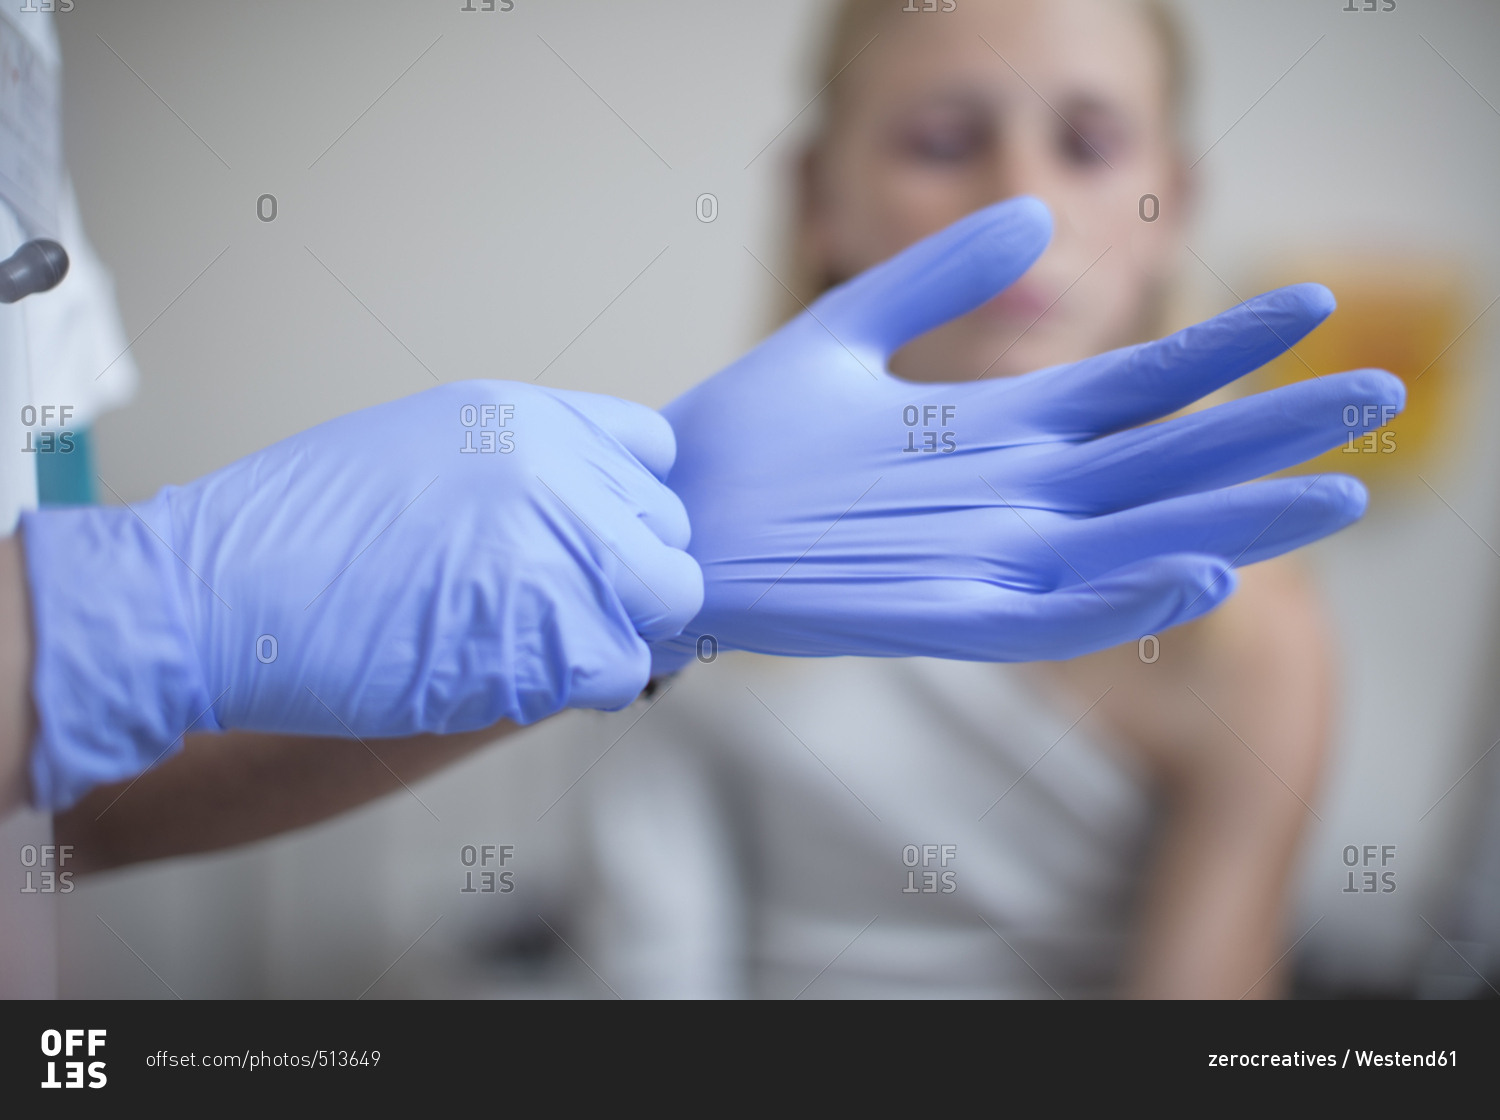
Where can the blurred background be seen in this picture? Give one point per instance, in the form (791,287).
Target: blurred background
(461,193)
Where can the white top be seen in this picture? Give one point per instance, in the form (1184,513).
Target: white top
(854,827)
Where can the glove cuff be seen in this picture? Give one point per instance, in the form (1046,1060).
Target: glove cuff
(116,675)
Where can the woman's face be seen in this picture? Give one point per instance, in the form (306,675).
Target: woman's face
(946,112)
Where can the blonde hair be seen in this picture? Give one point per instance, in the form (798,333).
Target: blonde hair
(852,28)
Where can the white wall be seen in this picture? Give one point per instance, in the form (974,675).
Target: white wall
(489,204)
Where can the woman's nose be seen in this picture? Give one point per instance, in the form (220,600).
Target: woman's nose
(1021,164)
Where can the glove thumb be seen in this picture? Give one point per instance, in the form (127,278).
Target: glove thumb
(939,278)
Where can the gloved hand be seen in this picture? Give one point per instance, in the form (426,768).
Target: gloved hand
(483,550)
(839,510)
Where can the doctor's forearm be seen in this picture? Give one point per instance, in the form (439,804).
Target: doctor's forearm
(17,715)
(241,786)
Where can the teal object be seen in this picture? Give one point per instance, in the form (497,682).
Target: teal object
(65,477)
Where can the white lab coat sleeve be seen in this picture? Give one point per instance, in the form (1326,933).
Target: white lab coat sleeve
(79,353)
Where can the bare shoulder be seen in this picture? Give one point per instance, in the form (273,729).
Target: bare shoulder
(1256,674)
(1272,633)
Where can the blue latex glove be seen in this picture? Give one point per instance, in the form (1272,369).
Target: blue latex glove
(839,510)
(481,551)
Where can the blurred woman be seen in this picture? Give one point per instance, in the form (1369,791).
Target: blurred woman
(1122,824)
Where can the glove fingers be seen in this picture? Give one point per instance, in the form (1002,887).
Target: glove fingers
(1142,598)
(664,514)
(1224,445)
(642,431)
(599,658)
(660,587)
(937,279)
(1140,383)
(1244,524)
(597,662)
